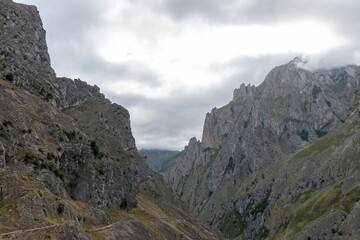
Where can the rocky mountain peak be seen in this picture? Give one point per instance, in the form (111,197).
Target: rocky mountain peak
(192,141)
(244,92)
(24,55)
(291,109)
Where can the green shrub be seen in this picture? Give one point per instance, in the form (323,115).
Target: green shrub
(123,204)
(60,208)
(7,158)
(101,171)
(320,133)
(259,208)
(59,174)
(95,149)
(50,155)
(304,135)
(232,224)
(70,134)
(230,166)
(22,131)
(316,90)
(7,123)
(9,77)
(263,233)
(48,97)
(29,157)
(36,163)
(2,132)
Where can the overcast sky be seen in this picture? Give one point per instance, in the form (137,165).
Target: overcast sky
(171,61)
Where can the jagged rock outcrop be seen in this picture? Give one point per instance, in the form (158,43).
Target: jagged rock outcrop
(69,167)
(24,56)
(260,127)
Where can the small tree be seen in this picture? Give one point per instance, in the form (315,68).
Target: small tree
(123,204)
(9,77)
(60,208)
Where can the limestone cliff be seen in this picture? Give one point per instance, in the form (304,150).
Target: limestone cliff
(69,167)
(261,127)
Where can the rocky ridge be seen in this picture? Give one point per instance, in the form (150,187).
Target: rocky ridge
(230,175)
(161,160)
(69,164)
(156,157)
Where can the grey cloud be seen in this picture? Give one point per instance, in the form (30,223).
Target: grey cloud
(181,116)
(88,63)
(173,121)
(343,16)
(260,11)
(68,19)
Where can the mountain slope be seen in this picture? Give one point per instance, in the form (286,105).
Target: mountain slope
(69,167)
(159,160)
(262,127)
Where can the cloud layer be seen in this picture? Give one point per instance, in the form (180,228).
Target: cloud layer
(170,61)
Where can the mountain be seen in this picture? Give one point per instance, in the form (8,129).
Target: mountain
(160,160)
(69,167)
(280,161)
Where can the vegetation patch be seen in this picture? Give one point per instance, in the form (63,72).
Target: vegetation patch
(320,133)
(101,171)
(50,156)
(230,166)
(123,204)
(232,224)
(213,157)
(70,134)
(30,157)
(49,97)
(316,90)
(8,157)
(304,135)
(293,120)
(60,208)
(95,149)
(9,77)
(350,199)
(8,123)
(263,233)
(317,206)
(260,208)
(338,88)
(2,132)
(332,139)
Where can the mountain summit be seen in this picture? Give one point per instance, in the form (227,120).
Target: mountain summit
(275,150)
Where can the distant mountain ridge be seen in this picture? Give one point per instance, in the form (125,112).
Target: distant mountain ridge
(161,160)
(156,158)
(245,175)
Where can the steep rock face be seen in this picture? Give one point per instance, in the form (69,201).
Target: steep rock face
(292,108)
(26,63)
(23,51)
(50,145)
(69,168)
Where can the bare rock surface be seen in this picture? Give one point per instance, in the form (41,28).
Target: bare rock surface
(236,173)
